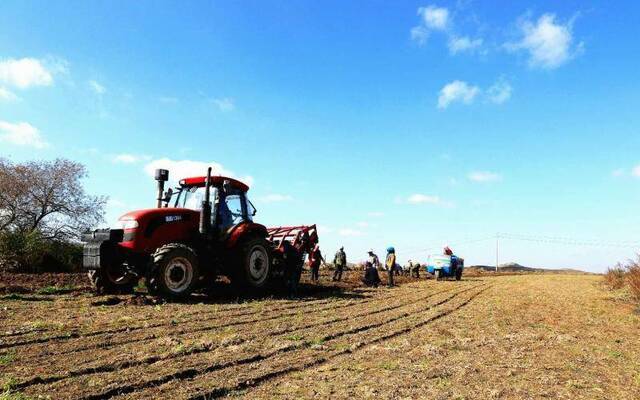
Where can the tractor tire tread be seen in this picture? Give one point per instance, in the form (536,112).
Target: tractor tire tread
(153,285)
(102,286)
(239,278)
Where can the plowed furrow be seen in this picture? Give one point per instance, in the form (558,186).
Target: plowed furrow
(71,312)
(208,362)
(115,331)
(127,337)
(243,377)
(160,357)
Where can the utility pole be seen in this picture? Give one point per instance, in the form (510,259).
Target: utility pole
(497,259)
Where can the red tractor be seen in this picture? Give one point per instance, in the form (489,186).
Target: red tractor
(201,230)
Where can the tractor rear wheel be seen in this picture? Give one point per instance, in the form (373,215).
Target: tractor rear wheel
(437,274)
(111,280)
(253,264)
(174,272)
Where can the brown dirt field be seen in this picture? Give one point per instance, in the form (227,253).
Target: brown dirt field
(504,337)
(32,283)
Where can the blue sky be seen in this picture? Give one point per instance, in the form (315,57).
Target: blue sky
(413,124)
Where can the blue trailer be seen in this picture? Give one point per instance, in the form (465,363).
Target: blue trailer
(443,266)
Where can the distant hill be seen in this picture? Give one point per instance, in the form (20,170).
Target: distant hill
(517,268)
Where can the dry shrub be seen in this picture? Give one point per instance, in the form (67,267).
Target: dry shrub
(615,277)
(633,279)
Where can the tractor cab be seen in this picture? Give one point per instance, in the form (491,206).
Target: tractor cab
(230,204)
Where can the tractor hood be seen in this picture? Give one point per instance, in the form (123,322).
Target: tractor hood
(159,215)
(148,229)
(156,212)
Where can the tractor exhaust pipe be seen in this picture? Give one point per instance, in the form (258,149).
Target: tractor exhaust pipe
(162,175)
(205,211)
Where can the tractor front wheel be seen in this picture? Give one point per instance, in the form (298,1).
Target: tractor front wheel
(111,280)
(175,271)
(253,264)
(458,274)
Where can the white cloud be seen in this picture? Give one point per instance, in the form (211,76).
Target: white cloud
(97,87)
(457,91)
(432,18)
(423,199)
(275,198)
(420,34)
(322,229)
(499,92)
(350,232)
(225,104)
(618,172)
(376,214)
(484,176)
(127,158)
(21,134)
(549,43)
(24,73)
(636,171)
(436,18)
(6,95)
(179,169)
(115,203)
(462,44)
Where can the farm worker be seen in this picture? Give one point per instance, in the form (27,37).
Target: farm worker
(373,259)
(371,277)
(294,270)
(315,258)
(390,264)
(225,215)
(397,269)
(415,270)
(340,261)
(408,270)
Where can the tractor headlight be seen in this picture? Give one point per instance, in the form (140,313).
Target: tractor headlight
(127,224)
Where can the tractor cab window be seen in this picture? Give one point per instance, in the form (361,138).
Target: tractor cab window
(192,197)
(234,206)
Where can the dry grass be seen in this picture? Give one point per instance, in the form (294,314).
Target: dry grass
(527,337)
(508,337)
(627,275)
(633,280)
(615,277)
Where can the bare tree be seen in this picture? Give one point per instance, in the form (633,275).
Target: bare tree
(47,197)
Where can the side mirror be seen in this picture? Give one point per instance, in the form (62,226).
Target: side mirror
(226,187)
(167,197)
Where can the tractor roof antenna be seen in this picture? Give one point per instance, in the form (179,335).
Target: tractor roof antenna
(162,175)
(205,210)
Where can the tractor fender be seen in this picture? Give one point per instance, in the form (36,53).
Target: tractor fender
(244,230)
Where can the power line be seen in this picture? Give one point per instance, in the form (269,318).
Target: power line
(543,239)
(568,241)
(454,244)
